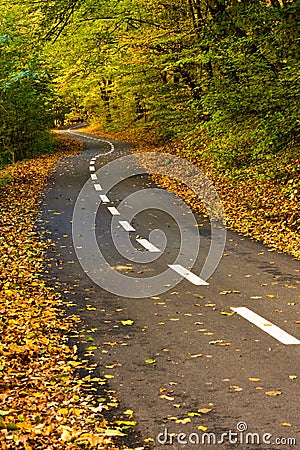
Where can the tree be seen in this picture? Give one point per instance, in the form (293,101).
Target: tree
(25,93)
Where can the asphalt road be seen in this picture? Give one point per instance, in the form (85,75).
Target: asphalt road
(181,359)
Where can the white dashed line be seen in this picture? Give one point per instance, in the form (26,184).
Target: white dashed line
(274,331)
(148,245)
(188,275)
(104,198)
(126,225)
(113,210)
(82,135)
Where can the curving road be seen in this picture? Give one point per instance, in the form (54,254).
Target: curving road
(198,358)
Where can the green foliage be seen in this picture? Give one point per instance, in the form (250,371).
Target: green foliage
(26,109)
(4,180)
(226,68)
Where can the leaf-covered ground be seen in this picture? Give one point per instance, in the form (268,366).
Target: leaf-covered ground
(43,404)
(261,200)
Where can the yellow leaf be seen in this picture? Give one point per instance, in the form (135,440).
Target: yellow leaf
(127,322)
(113,432)
(205,410)
(202,428)
(126,422)
(183,421)
(167,397)
(236,388)
(286,424)
(226,313)
(273,393)
(254,379)
(66,436)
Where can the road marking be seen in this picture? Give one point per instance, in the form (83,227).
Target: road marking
(274,331)
(97,187)
(94,176)
(113,210)
(92,168)
(82,135)
(148,245)
(126,225)
(188,275)
(93,160)
(104,198)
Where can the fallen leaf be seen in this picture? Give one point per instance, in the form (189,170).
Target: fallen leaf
(205,410)
(127,322)
(167,397)
(273,393)
(129,423)
(112,432)
(227,313)
(236,388)
(183,421)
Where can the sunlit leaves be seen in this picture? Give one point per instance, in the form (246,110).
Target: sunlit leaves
(26,97)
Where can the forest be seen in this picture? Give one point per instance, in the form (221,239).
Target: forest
(216,79)
(225,68)
(213,81)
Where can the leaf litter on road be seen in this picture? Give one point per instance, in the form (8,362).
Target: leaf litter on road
(43,404)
